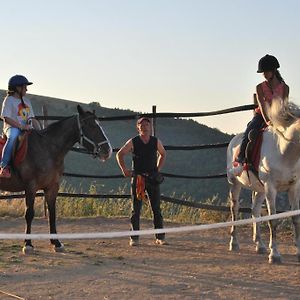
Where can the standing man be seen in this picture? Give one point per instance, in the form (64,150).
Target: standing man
(148,157)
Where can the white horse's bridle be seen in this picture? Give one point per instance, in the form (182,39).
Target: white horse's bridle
(285,138)
(83,137)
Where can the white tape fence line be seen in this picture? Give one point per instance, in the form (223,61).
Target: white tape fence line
(117,234)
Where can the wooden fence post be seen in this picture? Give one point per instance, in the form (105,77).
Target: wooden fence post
(44,125)
(154,120)
(45,114)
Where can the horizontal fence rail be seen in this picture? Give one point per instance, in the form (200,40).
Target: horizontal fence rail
(191,147)
(168,147)
(164,115)
(161,115)
(127,196)
(223,175)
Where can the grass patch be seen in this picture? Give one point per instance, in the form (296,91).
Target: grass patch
(116,207)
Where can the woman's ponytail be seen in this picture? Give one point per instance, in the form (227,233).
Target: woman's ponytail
(278,76)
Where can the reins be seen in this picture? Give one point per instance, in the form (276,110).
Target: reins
(285,138)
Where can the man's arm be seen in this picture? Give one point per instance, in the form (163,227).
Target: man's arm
(162,155)
(126,149)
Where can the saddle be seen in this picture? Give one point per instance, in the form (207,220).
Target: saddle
(19,150)
(252,153)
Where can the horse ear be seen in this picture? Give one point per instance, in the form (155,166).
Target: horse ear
(79,109)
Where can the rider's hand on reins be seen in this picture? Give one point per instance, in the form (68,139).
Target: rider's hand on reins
(25,127)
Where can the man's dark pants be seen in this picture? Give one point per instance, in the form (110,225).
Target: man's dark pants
(153,191)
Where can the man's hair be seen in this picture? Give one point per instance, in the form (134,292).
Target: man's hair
(140,120)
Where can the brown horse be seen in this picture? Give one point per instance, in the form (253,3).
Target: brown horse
(43,165)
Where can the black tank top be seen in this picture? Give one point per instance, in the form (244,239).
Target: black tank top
(144,155)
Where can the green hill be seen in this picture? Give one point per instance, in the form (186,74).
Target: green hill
(176,132)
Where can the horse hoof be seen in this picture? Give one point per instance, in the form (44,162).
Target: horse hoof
(27,249)
(61,248)
(234,247)
(275,260)
(261,250)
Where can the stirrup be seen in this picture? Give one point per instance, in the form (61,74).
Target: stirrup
(5,172)
(237,168)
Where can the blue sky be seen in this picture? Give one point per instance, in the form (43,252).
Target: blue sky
(183,56)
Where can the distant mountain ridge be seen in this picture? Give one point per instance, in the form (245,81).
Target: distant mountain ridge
(175,132)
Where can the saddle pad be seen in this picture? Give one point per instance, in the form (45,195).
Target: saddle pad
(21,151)
(255,153)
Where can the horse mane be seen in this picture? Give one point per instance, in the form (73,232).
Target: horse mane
(57,123)
(54,124)
(283,113)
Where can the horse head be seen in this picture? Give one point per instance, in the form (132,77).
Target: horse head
(92,136)
(285,119)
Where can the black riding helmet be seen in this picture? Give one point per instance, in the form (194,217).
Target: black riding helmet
(17,80)
(267,63)
(14,82)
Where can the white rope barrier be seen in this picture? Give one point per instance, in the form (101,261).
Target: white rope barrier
(12,295)
(117,234)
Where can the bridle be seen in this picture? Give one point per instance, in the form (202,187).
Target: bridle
(83,137)
(285,138)
(279,132)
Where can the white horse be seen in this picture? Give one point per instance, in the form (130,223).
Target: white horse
(279,170)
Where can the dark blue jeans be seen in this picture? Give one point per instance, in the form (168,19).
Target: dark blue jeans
(255,124)
(153,191)
(12,134)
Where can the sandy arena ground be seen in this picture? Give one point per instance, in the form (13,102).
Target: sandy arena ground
(194,265)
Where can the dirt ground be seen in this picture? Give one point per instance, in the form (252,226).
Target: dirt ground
(194,265)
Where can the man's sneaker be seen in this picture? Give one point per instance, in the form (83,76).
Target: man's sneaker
(133,242)
(160,242)
(237,168)
(5,172)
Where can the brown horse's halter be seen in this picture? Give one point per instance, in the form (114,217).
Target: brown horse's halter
(83,137)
